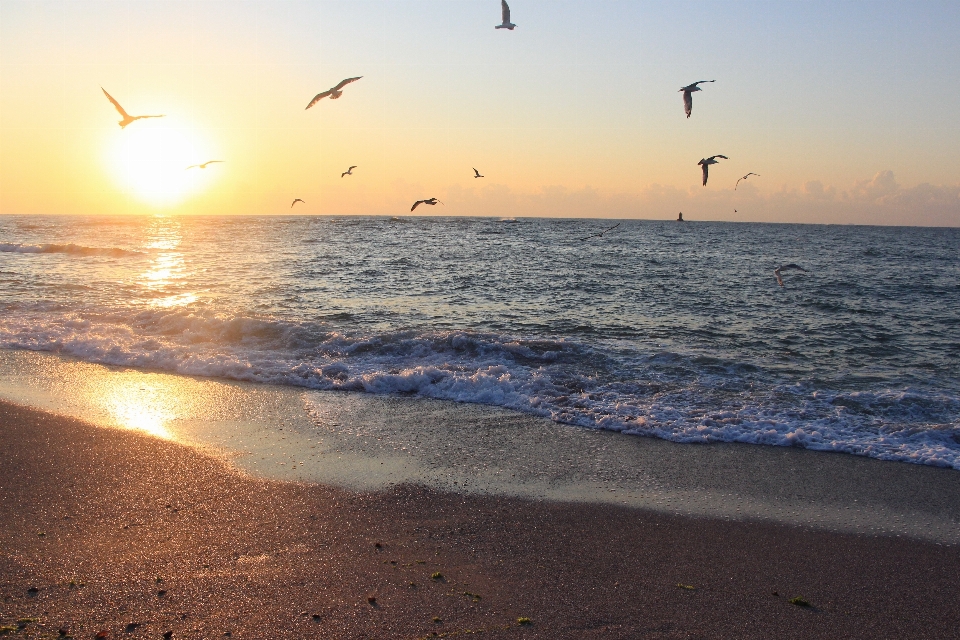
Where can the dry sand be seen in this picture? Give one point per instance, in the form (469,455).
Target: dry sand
(107,530)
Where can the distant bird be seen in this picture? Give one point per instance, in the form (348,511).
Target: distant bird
(333,93)
(204,165)
(680,217)
(295,202)
(429,201)
(505,12)
(744,178)
(688,95)
(348,172)
(476,174)
(785,267)
(597,235)
(127,118)
(706,162)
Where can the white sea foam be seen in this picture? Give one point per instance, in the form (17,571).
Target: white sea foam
(72,249)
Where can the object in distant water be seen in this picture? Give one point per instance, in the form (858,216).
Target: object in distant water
(429,201)
(505,14)
(127,118)
(476,174)
(786,267)
(203,165)
(744,178)
(706,162)
(348,172)
(597,235)
(295,202)
(333,93)
(680,217)
(688,95)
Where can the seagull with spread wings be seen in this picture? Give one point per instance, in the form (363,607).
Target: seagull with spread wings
(127,118)
(706,162)
(429,201)
(203,165)
(505,14)
(597,235)
(786,267)
(348,172)
(744,178)
(295,202)
(688,95)
(476,174)
(333,93)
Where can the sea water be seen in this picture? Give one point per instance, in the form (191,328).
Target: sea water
(673,330)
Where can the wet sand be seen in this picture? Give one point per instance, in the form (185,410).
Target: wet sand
(104,529)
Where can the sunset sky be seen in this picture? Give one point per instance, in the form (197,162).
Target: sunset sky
(849,111)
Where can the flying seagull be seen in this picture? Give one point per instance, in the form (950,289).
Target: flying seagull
(204,165)
(706,162)
(333,93)
(785,267)
(429,201)
(688,97)
(348,172)
(127,118)
(597,235)
(476,174)
(744,178)
(295,202)
(505,10)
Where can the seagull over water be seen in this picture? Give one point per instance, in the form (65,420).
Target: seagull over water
(786,267)
(597,235)
(688,95)
(476,174)
(333,93)
(429,201)
(127,118)
(505,12)
(203,165)
(348,172)
(295,202)
(744,178)
(706,162)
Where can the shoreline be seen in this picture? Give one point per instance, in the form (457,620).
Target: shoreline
(125,517)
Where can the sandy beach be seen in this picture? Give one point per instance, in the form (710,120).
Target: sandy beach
(110,530)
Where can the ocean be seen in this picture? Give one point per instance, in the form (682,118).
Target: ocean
(670,330)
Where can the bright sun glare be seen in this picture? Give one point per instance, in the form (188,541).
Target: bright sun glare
(150,160)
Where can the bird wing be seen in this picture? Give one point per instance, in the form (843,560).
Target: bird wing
(687,102)
(417,204)
(193,166)
(115,103)
(505,11)
(211,162)
(701,82)
(351,168)
(738,183)
(706,168)
(719,156)
(344,83)
(319,97)
(776,272)
(787,267)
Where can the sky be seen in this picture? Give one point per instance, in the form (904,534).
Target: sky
(849,111)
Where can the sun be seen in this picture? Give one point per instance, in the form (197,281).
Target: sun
(149,159)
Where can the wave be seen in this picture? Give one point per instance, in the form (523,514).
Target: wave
(70,248)
(683,397)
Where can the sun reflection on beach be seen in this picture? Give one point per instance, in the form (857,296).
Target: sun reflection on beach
(168,270)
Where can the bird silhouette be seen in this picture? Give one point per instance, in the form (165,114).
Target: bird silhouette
(688,95)
(429,201)
(203,165)
(476,174)
(597,235)
(127,118)
(744,178)
(295,202)
(348,172)
(505,14)
(334,93)
(785,267)
(706,162)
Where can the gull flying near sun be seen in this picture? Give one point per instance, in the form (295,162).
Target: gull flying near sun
(505,13)
(476,174)
(597,235)
(334,93)
(295,202)
(429,201)
(744,178)
(688,95)
(127,118)
(348,172)
(706,162)
(786,267)
(204,165)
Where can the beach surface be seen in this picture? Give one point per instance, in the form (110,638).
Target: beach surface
(113,530)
